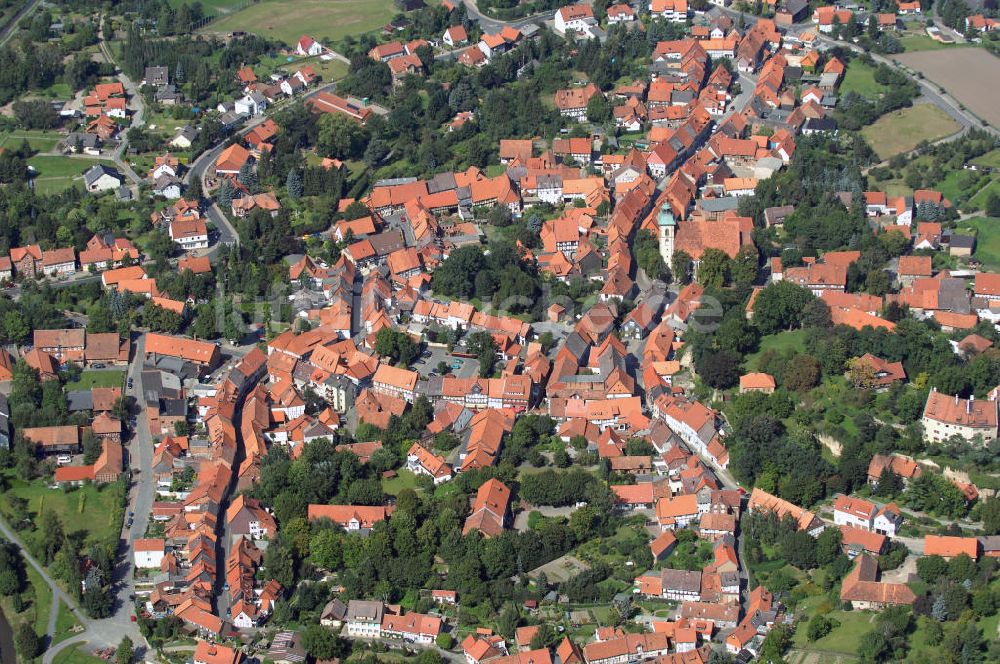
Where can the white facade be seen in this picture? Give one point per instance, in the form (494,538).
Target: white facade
(364,628)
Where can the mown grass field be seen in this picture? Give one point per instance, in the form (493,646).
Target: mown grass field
(860,78)
(40,141)
(324,20)
(404,479)
(57,173)
(924,43)
(901,131)
(98,378)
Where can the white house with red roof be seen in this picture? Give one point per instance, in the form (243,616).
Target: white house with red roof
(307,46)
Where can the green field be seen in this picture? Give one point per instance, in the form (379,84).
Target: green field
(324,20)
(987,239)
(40,141)
(90,509)
(860,78)
(98,378)
(794,339)
(901,131)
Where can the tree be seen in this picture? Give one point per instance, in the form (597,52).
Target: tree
(325,549)
(802,374)
(929,568)
(322,643)
(341,137)
(993,205)
(680,267)
(485,349)
(989,511)
(599,109)
(396,345)
(126,652)
(713,269)
(819,626)
(720,370)
(779,307)
(445,641)
(293,183)
(26,641)
(508,621)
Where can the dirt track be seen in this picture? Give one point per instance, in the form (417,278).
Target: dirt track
(968,74)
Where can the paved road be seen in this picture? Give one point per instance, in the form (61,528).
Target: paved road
(138,109)
(492,25)
(199,168)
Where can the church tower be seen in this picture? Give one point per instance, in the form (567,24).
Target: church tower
(667,225)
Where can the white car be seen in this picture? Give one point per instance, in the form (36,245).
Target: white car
(63,459)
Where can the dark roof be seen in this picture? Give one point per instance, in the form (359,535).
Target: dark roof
(963,241)
(94,173)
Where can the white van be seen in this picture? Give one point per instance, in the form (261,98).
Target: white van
(63,459)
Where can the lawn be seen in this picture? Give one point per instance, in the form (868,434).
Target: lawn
(978,202)
(98,378)
(987,239)
(40,141)
(65,622)
(325,20)
(404,479)
(860,78)
(42,603)
(843,639)
(91,509)
(794,339)
(57,173)
(924,43)
(901,131)
(76,656)
(990,159)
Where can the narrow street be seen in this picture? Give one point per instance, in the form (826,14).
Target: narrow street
(138,109)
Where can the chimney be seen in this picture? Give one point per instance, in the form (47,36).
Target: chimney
(968,405)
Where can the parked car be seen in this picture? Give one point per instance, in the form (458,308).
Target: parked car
(63,459)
